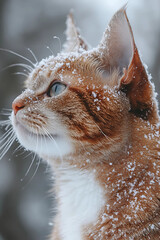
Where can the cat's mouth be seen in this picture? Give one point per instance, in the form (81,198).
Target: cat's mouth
(45,144)
(28,137)
(20,127)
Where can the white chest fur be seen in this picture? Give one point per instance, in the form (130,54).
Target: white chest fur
(81,199)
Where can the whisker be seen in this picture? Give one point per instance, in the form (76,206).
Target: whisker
(5,135)
(38,164)
(17,149)
(7,109)
(60,45)
(5,113)
(50,50)
(34,56)
(32,162)
(21,73)
(8,145)
(25,66)
(9,138)
(5,122)
(7,127)
(45,143)
(30,153)
(29,68)
(30,165)
(107,137)
(18,55)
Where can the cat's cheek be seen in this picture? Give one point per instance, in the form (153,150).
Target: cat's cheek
(60,147)
(54,146)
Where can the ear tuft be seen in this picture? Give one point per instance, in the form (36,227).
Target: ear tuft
(74,43)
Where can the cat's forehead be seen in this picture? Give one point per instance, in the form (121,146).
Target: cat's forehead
(59,68)
(51,68)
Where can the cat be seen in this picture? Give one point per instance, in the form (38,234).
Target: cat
(93,115)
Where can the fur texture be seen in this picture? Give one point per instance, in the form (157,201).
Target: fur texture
(100,134)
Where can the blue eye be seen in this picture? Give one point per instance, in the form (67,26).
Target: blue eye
(56,89)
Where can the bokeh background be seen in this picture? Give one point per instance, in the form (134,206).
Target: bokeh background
(26,207)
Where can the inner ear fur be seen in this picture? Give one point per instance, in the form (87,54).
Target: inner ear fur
(118,50)
(74,41)
(138,89)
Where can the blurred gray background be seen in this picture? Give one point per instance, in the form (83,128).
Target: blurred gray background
(26,207)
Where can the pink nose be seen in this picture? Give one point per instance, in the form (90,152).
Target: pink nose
(17,105)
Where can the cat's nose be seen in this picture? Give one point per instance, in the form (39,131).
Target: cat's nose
(17,105)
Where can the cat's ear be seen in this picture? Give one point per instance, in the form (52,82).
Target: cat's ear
(118,51)
(117,45)
(74,41)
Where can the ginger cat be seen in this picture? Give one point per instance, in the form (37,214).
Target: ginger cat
(93,115)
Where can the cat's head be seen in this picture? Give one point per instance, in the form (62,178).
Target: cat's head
(85,99)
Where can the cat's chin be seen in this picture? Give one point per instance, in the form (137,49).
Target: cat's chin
(53,146)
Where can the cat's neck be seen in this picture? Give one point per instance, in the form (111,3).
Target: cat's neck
(141,138)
